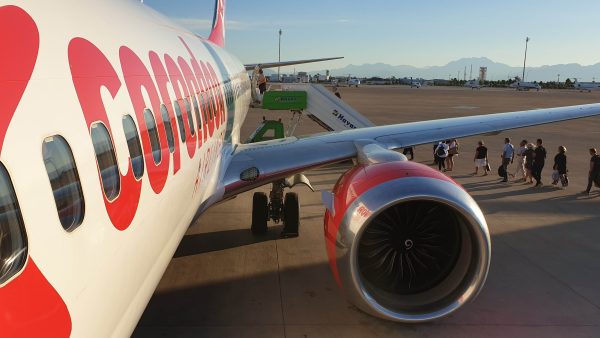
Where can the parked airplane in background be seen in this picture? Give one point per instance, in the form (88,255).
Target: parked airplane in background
(353,82)
(473,84)
(116,135)
(520,85)
(589,86)
(415,84)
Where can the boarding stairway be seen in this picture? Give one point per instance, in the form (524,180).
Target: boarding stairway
(328,110)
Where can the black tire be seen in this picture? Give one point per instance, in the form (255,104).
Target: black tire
(291,215)
(260,213)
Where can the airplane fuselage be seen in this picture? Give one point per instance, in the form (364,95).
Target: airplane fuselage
(589,86)
(187,98)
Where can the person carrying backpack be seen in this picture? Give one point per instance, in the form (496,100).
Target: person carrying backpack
(440,153)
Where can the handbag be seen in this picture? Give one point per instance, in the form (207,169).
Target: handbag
(501,171)
(487,166)
(555,176)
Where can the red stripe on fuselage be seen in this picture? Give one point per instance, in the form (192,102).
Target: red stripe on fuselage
(19,43)
(181,90)
(137,80)
(29,305)
(91,71)
(162,81)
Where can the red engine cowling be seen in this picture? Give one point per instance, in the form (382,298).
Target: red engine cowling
(405,242)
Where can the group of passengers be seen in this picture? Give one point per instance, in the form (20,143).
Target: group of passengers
(444,153)
(530,161)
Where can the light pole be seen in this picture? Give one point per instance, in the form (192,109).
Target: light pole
(525,59)
(278,68)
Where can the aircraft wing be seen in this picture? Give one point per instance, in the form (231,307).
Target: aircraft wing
(256,164)
(287,63)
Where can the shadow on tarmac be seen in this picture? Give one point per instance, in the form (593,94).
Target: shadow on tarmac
(196,244)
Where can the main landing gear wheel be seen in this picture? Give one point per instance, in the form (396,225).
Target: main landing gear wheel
(291,215)
(278,207)
(260,213)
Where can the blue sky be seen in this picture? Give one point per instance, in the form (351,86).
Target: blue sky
(417,33)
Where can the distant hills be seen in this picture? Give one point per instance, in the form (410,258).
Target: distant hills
(495,71)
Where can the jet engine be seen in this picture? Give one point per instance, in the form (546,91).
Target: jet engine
(405,242)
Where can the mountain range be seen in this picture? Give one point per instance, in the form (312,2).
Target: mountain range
(495,71)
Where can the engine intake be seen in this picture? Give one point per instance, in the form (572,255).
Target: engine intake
(405,242)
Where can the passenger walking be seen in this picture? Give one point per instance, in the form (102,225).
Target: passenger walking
(528,155)
(520,169)
(409,150)
(539,159)
(480,158)
(452,151)
(594,170)
(440,153)
(560,167)
(261,81)
(336,91)
(508,155)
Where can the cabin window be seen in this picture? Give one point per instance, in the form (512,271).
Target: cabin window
(152,132)
(179,120)
(107,162)
(133,143)
(64,180)
(168,127)
(13,239)
(214,106)
(197,112)
(204,107)
(188,110)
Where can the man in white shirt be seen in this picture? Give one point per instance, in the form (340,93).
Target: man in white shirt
(508,155)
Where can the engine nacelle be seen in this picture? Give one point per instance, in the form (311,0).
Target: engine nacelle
(405,242)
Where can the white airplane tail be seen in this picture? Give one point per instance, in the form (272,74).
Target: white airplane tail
(217,35)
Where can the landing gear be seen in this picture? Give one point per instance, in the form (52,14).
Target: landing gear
(291,215)
(260,213)
(276,208)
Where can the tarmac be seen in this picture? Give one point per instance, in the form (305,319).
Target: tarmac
(544,279)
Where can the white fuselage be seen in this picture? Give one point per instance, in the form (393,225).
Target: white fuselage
(473,84)
(589,86)
(526,86)
(123,57)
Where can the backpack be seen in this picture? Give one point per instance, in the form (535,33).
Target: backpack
(501,171)
(440,151)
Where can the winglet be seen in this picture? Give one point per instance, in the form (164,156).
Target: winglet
(217,35)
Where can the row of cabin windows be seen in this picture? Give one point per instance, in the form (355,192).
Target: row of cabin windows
(64,178)
(62,171)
